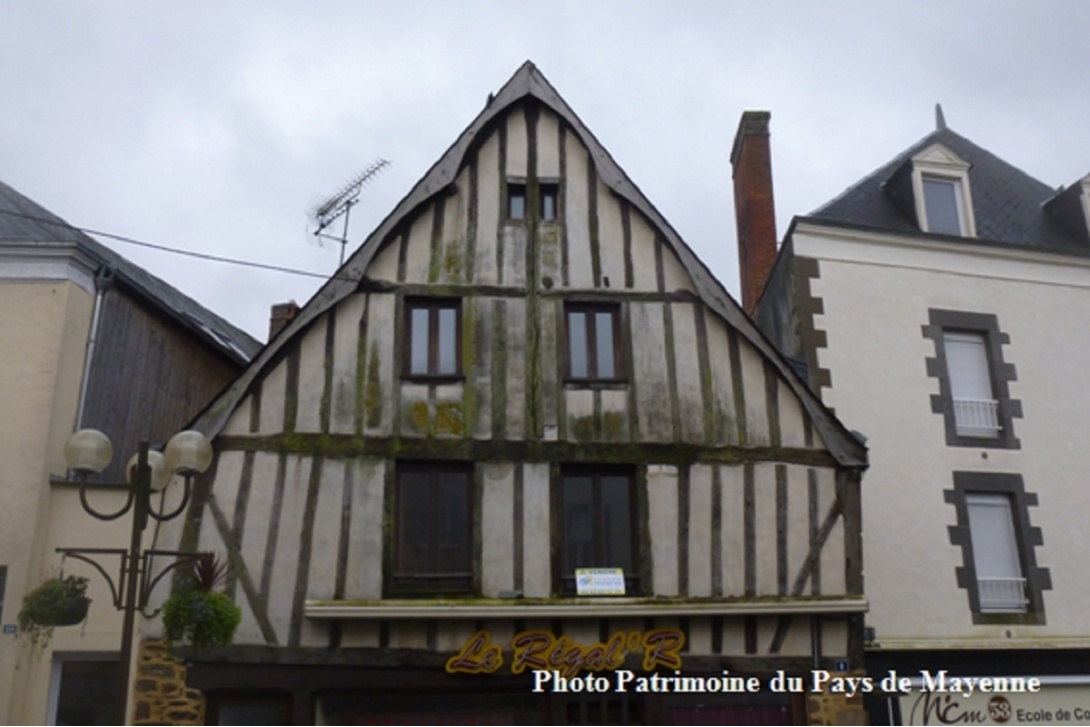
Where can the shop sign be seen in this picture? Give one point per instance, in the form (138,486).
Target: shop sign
(536,650)
(1054,704)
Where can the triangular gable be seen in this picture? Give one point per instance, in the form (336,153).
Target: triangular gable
(938,155)
(529,82)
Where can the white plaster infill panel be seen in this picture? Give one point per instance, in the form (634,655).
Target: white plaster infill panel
(645,277)
(536,578)
(497,518)
(576,213)
(610,238)
(662,499)
(548,148)
(700,530)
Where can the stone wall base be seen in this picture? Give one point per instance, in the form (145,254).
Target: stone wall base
(160,696)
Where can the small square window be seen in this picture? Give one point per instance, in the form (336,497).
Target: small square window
(599,528)
(549,196)
(433,340)
(944,206)
(433,543)
(594,351)
(516,201)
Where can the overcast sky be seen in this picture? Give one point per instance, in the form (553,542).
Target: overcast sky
(215,126)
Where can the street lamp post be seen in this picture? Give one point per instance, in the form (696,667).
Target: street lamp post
(89,451)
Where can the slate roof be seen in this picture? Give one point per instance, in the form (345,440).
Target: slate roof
(528,82)
(1008,204)
(25,222)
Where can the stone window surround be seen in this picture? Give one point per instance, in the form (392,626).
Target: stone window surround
(1002,374)
(1028,537)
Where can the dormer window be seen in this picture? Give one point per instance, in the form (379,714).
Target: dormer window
(943,207)
(940,185)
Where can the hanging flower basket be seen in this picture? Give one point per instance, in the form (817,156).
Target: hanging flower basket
(57,602)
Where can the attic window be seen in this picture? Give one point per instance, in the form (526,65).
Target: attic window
(549,194)
(940,187)
(516,201)
(943,205)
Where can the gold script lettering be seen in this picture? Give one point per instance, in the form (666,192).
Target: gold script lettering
(478,656)
(535,650)
(661,647)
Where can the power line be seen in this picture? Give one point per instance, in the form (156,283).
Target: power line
(173,250)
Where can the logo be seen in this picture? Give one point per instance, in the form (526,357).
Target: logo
(999,708)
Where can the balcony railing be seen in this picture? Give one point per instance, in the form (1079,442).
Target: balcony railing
(977,417)
(1002,594)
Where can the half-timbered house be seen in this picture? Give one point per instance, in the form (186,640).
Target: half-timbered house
(522,373)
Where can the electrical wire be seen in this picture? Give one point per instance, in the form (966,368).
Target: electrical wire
(172,250)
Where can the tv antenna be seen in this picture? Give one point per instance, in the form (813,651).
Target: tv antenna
(341,203)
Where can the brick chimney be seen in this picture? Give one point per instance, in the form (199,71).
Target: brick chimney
(754,209)
(281,315)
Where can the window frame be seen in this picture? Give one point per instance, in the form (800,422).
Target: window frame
(1006,539)
(929,217)
(517,190)
(436,581)
(939,164)
(563,579)
(103,667)
(591,343)
(942,323)
(548,190)
(1026,538)
(433,306)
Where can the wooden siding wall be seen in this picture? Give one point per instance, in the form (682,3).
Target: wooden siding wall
(738,496)
(149,377)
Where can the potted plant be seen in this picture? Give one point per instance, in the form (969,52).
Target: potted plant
(198,613)
(60,601)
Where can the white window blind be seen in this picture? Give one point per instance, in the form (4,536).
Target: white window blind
(976,412)
(1000,584)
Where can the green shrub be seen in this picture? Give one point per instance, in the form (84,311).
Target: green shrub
(206,619)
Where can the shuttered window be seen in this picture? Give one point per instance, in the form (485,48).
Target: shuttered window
(434,528)
(975,407)
(1000,581)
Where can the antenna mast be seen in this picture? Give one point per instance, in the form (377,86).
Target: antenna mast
(341,203)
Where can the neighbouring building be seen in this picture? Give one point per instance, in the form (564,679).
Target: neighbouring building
(87,340)
(522,373)
(931,305)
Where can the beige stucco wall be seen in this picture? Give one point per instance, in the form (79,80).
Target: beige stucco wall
(43,339)
(877,293)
